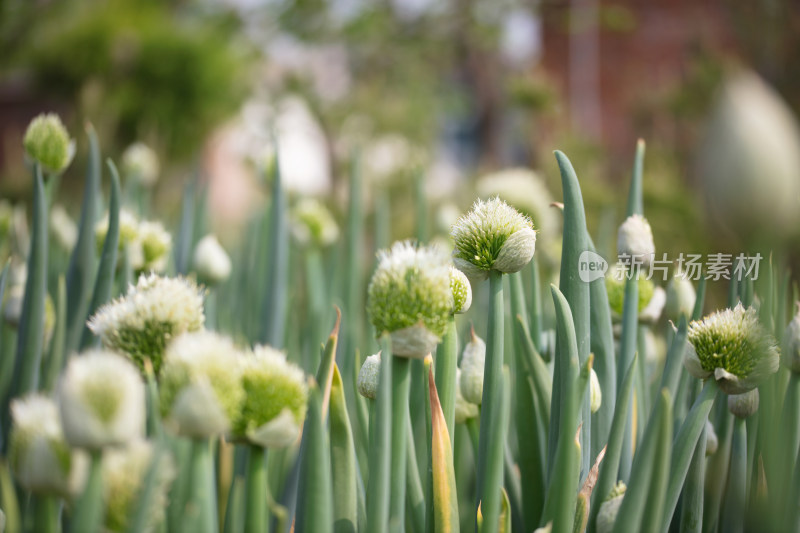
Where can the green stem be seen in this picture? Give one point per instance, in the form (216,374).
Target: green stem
(55,359)
(380,451)
(255,520)
(274,312)
(401,381)
(491,446)
(45,513)
(733,510)
(627,349)
(202,507)
(535,306)
(446,365)
(314,513)
(693,489)
(88,515)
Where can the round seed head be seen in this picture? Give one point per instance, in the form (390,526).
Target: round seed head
(596,394)
(635,239)
(681,297)
(211,261)
(140,162)
(472,367)
(48,143)
(101,400)
(314,224)
(38,454)
(368,376)
(733,347)
(153,312)
(200,384)
(409,297)
(275,399)
(790,350)
(464,409)
(743,405)
(462,291)
(493,236)
(124,472)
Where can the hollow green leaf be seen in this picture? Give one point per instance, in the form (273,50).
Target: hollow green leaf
(315,490)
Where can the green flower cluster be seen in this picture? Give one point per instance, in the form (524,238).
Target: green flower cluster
(48,143)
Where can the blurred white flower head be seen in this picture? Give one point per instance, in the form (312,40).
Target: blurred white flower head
(313,223)
(63,228)
(211,261)
(140,162)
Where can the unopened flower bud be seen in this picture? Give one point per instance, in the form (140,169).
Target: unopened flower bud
(635,239)
(48,143)
(211,261)
(464,409)
(492,236)
(472,368)
(743,405)
(609,509)
(596,394)
(681,297)
(369,376)
(140,163)
(733,347)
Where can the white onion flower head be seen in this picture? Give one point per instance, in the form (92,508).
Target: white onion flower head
(492,236)
(156,243)
(39,456)
(48,143)
(140,162)
(464,409)
(102,401)
(155,310)
(369,376)
(211,261)
(524,189)
(790,350)
(410,297)
(681,298)
(63,228)
(128,231)
(733,347)
(462,291)
(124,472)
(275,399)
(200,384)
(635,239)
(314,224)
(595,392)
(472,366)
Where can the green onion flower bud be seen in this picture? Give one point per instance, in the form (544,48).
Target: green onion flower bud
(733,347)
(200,384)
(102,401)
(615,287)
(48,143)
(472,366)
(368,376)
(609,509)
(681,297)
(38,454)
(743,405)
(409,297)
(211,261)
(314,224)
(275,400)
(156,244)
(635,239)
(464,409)
(493,236)
(790,352)
(462,291)
(63,228)
(596,394)
(712,442)
(140,162)
(124,473)
(155,310)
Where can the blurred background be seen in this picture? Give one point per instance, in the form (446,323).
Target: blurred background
(431,94)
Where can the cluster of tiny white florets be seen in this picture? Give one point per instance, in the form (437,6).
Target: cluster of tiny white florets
(410,297)
(461,289)
(313,223)
(275,399)
(38,454)
(492,236)
(199,384)
(146,242)
(141,323)
(140,162)
(101,399)
(733,347)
